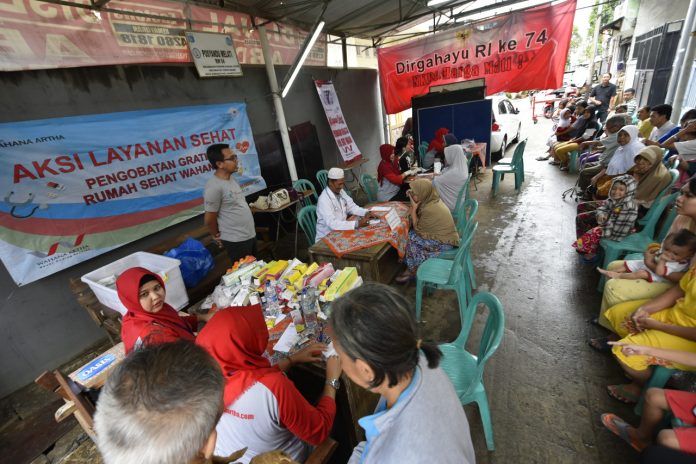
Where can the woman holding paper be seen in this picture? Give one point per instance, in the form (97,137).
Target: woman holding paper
(433,228)
(149,320)
(264,411)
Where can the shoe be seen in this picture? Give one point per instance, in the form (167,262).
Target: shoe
(405,277)
(542,158)
(591,261)
(564,168)
(600,344)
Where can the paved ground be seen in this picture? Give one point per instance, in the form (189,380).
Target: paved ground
(546,387)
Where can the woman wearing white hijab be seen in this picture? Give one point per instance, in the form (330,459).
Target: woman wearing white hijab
(621,162)
(453,177)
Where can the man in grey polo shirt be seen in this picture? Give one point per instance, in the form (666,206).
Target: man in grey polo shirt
(227,214)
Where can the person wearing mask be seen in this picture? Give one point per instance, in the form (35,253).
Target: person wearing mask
(603,96)
(227,213)
(334,207)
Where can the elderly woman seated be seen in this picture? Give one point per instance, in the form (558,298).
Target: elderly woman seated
(433,229)
(419,417)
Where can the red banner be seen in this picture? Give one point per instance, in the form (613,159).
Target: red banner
(40,35)
(518,51)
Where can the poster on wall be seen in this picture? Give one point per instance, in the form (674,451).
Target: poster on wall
(74,188)
(42,35)
(213,54)
(518,51)
(344,140)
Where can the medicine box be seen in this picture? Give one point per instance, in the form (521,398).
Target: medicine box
(165,267)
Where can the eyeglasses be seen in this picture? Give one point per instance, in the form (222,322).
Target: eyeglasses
(231,158)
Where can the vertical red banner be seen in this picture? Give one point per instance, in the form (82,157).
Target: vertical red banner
(513,52)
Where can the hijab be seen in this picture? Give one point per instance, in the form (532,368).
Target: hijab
(237,338)
(622,213)
(437,144)
(450,139)
(454,176)
(564,122)
(623,157)
(656,179)
(434,218)
(386,166)
(136,319)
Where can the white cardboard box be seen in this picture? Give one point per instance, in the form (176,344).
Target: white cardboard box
(164,266)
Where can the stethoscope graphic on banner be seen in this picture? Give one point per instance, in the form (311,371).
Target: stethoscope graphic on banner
(29,201)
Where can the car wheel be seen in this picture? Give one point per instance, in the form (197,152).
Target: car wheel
(500,154)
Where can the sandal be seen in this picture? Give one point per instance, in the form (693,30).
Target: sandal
(620,393)
(619,427)
(554,163)
(405,277)
(600,344)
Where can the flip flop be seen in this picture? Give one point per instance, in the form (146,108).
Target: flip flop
(619,392)
(600,344)
(619,427)
(542,158)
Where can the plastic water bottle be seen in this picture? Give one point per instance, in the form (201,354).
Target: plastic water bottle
(308,303)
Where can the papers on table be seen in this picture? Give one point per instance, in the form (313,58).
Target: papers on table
(374,222)
(287,340)
(393,219)
(380,208)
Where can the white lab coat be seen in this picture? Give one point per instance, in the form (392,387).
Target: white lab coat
(333,211)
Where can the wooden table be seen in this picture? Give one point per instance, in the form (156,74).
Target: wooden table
(378,263)
(94,373)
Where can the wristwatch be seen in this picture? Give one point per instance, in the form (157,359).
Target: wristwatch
(335,383)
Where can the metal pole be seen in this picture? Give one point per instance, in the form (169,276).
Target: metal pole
(679,58)
(595,37)
(684,76)
(278,103)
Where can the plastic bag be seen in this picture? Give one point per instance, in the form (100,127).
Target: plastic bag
(196,261)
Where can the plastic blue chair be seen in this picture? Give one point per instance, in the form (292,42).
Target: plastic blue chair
(323,178)
(508,161)
(634,243)
(464,369)
(307,217)
(516,167)
(446,274)
(303,185)
(369,185)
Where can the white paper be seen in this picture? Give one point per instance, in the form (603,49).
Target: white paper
(393,219)
(374,222)
(280,317)
(380,208)
(330,351)
(287,340)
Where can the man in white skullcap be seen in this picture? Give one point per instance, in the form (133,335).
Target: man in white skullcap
(335,206)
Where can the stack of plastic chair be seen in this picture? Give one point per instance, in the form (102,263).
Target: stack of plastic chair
(516,167)
(369,185)
(307,218)
(638,242)
(461,198)
(446,274)
(323,178)
(464,369)
(304,185)
(422,150)
(464,225)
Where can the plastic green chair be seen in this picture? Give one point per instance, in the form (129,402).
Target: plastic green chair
(369,185)
(464,225)
(658,379)
(303,185)
(461,198)
(464,369)
(446,274)
(634,243)
(323,178)
(307,218)
(516,167)
(675,175)
(422,150)
(508,161)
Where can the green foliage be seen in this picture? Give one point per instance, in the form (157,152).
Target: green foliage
(605,14)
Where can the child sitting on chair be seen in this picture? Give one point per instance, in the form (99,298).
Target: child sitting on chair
(674,256)
(616,218)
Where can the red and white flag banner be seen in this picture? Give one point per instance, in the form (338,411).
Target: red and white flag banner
(518,51)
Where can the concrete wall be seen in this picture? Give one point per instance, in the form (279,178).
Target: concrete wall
(653,14)
(41,325)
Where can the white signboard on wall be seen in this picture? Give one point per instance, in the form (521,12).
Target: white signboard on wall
(213,54)
(344,140)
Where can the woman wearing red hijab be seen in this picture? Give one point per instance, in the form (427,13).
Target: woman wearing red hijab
(389,176)
(264,411)
(149,320)
(436,149)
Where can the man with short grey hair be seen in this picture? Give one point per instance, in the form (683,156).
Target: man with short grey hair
(160,406)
